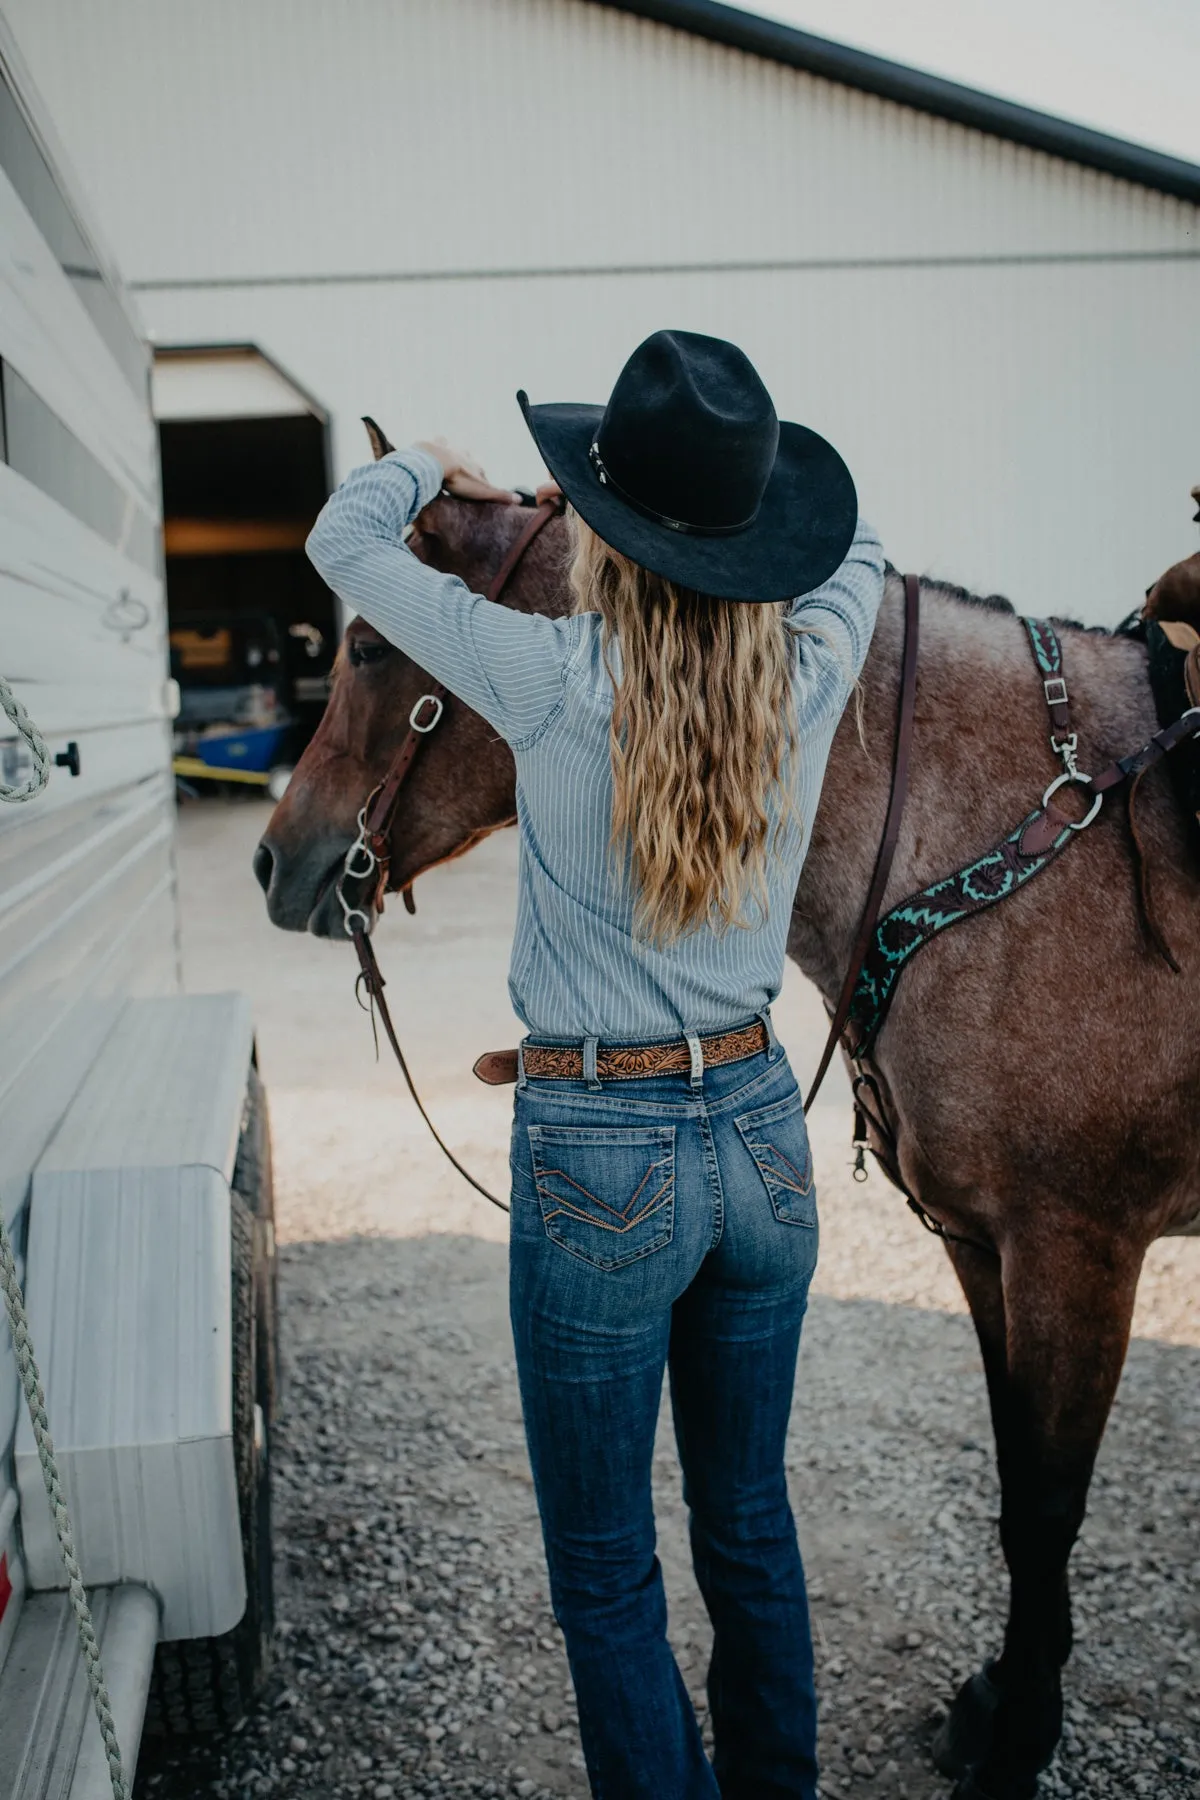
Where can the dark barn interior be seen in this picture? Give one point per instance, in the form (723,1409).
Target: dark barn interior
(244,602)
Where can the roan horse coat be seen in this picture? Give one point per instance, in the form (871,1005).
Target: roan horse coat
(1040,1064)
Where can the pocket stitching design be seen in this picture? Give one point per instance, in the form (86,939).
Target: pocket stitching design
(584,1136)
(800,1185)
(661,1200)
(655,1204)
(768,1158)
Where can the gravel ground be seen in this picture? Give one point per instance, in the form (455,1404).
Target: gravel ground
(417,1654)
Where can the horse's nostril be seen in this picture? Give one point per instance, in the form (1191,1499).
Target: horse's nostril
(264,866)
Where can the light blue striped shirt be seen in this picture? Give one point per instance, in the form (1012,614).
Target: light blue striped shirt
(577,970)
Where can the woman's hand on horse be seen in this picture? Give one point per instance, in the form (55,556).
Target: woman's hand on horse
(462,475)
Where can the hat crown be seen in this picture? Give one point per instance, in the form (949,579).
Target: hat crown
(689,433)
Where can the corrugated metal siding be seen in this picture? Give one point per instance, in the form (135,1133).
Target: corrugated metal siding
(87,910)
(1028,430)
(250,138)
(1002,343)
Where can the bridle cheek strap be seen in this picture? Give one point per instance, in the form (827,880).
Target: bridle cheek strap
(370,854)
(381,807)
(380,812)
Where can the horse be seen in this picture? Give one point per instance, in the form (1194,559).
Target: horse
(1040,1065)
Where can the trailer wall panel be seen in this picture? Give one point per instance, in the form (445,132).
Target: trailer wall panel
(87,887)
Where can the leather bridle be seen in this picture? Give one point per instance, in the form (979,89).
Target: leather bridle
(370,853)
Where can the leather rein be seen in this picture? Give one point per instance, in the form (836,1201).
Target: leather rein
(901,763)
(877,954)
(369,856)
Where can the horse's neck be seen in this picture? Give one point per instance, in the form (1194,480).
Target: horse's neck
(972,759)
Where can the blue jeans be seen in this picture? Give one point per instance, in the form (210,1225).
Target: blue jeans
(657,1224)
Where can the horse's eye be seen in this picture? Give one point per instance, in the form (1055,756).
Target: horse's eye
(364,650)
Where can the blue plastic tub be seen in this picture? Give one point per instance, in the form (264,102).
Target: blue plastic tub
(252,749)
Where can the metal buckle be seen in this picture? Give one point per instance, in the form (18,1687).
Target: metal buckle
(1066,748)
(351,872)
(438,709)
(1059,697)
(1079,781)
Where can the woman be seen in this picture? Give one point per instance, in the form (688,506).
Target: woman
(670,740)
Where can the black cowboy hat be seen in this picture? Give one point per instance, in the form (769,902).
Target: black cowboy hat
(689,472)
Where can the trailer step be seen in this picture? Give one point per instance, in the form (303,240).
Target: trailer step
(50,1743)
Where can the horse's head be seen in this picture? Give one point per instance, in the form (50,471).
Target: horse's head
(460,787)
(1176,595)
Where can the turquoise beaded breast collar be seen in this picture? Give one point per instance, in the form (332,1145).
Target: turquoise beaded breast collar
(1031,846)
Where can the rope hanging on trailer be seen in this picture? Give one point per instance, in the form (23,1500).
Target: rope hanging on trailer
(31,1382)
(35,742)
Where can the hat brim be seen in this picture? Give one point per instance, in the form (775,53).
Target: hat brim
(800,536)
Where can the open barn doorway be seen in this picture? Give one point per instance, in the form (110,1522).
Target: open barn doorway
(253,628)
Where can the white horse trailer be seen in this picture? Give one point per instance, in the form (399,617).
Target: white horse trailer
(135,1179)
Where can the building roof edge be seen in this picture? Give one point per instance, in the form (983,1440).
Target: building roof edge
(777,42)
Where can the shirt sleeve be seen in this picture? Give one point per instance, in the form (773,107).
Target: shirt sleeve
(836,621)
(506,665)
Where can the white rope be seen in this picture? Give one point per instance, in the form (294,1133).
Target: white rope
(31,1382)
(27,730)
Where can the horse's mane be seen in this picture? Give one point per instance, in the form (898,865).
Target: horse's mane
(961,596)
(997,603)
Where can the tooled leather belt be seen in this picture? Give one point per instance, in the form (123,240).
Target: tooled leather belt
(622,1062)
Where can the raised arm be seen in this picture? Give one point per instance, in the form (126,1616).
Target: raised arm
(837,619)
(506,665)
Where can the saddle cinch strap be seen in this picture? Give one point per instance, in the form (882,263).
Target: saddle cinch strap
(621,1062)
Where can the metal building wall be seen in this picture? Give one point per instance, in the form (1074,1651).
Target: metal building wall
(418,205)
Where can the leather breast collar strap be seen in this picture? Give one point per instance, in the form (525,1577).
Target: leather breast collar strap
(901,762)
(864,1084)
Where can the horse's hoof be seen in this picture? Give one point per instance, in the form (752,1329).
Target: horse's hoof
(966,1737)
(968,1788)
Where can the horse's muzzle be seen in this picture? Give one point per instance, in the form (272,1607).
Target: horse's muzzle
(301,892)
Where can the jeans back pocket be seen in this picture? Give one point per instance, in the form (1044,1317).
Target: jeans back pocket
(607,1195)
(777,1138)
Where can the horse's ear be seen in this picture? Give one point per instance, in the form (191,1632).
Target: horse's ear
(1196,498)
(379,443)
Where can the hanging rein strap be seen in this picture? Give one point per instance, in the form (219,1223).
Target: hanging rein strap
(372,981)
(901,759)
(868,1101)
(371,851)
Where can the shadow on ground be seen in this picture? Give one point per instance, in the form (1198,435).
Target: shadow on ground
(417,1654)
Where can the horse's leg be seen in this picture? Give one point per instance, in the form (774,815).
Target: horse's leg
(966,1736)
(1067,1302)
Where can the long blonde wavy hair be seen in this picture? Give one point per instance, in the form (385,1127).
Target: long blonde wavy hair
(703,741)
